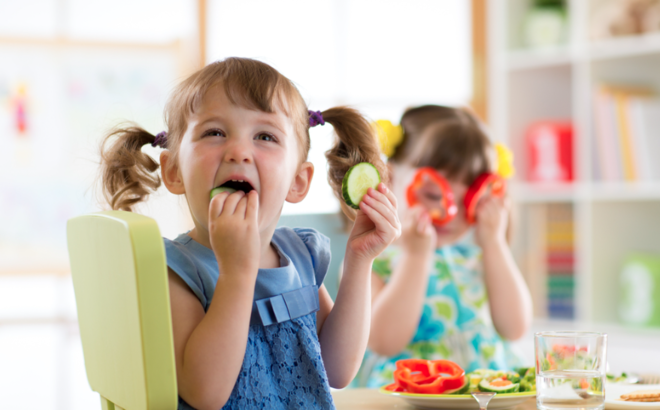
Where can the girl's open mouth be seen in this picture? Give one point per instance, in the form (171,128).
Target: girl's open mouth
(238,185)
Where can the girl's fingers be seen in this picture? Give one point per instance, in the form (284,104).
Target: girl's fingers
(231,202)
(383,207)
(241,205)
(381,197)
(423,222)
(217,204)
(388,193)
(252,207)
(375,216)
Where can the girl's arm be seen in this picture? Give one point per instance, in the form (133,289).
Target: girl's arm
(209,347)
(509,298)
(345,330)
(397,305)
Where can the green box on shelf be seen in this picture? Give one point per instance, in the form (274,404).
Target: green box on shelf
(639,302)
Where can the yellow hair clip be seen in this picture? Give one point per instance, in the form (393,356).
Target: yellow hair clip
(504,161)
(389,136)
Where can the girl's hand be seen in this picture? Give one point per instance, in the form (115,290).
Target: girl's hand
(234,231)
(376,225)
(492,220)
(418,237)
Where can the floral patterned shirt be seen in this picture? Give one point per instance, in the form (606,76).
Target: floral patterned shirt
(455,323)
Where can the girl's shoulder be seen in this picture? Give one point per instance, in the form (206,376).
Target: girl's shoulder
(305,243)
(194,263)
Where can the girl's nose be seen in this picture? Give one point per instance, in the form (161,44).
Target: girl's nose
(238,151)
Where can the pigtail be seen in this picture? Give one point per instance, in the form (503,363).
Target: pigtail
(127,173)
(356,143)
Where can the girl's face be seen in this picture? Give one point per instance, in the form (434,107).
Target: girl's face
(429,197)
(228,142)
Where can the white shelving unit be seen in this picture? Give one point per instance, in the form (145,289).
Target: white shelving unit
(610,219)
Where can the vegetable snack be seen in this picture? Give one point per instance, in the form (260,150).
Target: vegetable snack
(446,377)
(357,181)
(445,209)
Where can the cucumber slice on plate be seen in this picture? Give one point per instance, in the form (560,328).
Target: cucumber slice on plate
(216,191)
(499,386)
(358,179)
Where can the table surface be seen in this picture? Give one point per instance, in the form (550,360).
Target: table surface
(371,399)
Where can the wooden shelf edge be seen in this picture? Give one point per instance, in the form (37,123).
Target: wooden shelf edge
(623,47)
(525,192)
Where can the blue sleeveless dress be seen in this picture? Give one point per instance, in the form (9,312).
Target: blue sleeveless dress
(282,367)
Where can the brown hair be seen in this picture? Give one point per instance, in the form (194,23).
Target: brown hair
(457,146)
(128,174)
(445,138)
(414,121)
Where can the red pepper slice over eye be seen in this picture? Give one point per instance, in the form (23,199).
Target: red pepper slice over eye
(486,184)
(428,376)
(446,209)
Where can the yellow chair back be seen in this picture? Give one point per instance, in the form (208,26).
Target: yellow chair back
(120,281)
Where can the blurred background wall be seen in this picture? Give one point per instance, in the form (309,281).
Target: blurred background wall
(570,86)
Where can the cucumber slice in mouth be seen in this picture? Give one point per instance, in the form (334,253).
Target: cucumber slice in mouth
(231,187)
(216,191)
(358,179)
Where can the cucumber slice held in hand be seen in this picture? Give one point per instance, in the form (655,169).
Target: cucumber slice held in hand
(216,191)
(358,179)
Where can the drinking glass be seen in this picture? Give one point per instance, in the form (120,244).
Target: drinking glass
(570,370)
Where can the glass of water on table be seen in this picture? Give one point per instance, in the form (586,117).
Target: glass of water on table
(570,370)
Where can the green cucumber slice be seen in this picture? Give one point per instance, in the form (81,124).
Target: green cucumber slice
(485,385)
(216,191)
(358,179)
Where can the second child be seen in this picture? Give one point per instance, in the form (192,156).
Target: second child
(449,291)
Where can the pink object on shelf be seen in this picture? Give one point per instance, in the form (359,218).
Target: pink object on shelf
(550,147)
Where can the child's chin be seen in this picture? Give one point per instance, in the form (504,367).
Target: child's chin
(447,236)
(444,236)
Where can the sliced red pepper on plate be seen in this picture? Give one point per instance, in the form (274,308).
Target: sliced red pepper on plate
(446,209)
(428,376)
(485,184)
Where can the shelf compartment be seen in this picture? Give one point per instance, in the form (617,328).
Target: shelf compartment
(520,60)
(525,192)
(625,47)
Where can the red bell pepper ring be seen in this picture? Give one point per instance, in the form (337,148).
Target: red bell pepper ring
(428,376)
(447,210)
(485,184)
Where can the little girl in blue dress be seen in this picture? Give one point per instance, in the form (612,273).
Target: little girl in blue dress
(253,325)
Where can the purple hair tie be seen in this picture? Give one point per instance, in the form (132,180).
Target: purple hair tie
(315,118)
(160,140)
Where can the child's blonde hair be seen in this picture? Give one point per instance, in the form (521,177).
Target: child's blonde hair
(128,175)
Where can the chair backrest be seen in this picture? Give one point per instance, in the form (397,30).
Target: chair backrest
(120,281)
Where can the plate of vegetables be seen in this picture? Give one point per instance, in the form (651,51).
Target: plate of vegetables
(442,384)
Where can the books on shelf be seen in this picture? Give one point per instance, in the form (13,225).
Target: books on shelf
(560,261)
(627,134)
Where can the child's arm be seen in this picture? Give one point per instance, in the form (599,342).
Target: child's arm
(209,347)
(397,305)
(509,298)
(345,330)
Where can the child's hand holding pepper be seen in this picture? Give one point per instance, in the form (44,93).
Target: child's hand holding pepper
(492,219)
(418,236)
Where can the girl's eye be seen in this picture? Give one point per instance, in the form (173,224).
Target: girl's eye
(265,137)
(432,197)
(214,133)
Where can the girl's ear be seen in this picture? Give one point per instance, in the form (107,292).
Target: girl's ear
(301,183)
(169,172)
